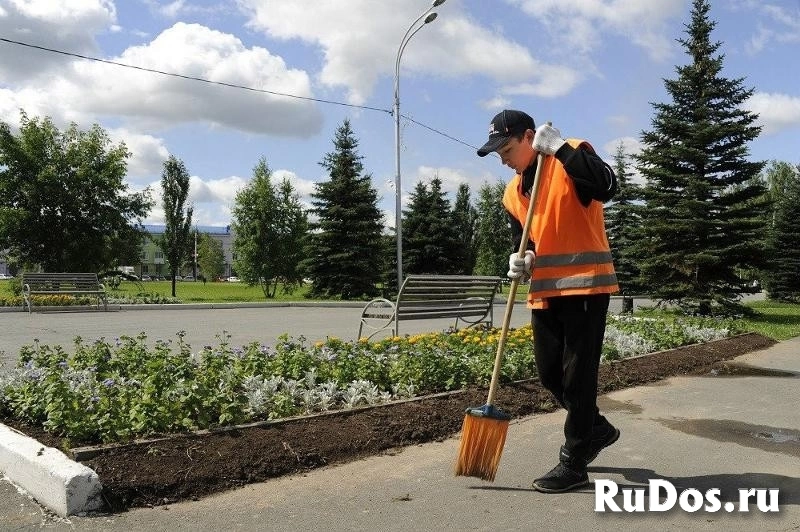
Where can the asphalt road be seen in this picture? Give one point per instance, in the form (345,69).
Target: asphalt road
(202,325)
(207,324)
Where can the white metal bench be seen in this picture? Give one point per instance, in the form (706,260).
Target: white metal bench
(62,283)
(467,298)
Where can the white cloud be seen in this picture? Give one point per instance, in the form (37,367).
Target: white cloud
(777,112)
(86,90)
(630,146)
(60,24)
(495,104)
(787,22)
(169,10)
(451,179)
(179,8)
(148,153)
(388,219)
(216,190)
(774,23)
(303,187)
(196,51)
(172,9)
(39,101)
(156,215)
(359,44)
(578,26)
(211,199)
(554,81)
(758,40)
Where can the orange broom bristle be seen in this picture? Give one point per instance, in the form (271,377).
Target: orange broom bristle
(482,441)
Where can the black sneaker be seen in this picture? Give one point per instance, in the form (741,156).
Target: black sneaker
(601,442)
(560,479)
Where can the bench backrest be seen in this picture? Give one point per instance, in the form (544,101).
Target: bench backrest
(446,296)
(61,281)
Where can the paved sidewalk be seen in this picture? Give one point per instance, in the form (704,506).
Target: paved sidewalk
(202,325)
(697,433)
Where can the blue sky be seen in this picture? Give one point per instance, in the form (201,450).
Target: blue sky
(592,67)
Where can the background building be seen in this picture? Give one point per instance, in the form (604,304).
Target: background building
(4,269)
(153,262)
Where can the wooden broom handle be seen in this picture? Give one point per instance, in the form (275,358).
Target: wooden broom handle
(512,291)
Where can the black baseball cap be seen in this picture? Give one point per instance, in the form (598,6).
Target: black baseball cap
(505,125)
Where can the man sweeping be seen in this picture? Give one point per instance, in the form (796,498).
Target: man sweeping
(568,262)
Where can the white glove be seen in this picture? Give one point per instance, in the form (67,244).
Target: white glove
(547,140)
(520,267)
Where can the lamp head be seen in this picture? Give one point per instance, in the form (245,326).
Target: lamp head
(437,3)
(430,18)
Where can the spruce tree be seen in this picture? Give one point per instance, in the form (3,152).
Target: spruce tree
(430,244)
(782,277)
(623,221)
(345,250)
(777,177)
(465,218)
(389,265)
(701,226)
(493,236)
(414,235)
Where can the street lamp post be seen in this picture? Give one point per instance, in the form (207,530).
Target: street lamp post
(410,32)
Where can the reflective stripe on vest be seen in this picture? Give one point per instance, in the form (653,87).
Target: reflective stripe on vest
(574,259)
(566,283)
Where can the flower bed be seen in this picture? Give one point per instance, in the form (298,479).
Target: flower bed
(121,390)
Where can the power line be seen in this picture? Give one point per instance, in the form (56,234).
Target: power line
(230,85)
(191,78)
(442,133)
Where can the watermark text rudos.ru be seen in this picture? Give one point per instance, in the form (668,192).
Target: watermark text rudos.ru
(662,496)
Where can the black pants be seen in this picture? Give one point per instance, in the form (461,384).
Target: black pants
(567,343)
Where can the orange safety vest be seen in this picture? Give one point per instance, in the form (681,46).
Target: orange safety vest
(572,252)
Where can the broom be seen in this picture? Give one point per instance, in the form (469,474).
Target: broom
(483,433)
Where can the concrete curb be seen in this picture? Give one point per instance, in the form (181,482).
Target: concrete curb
(63,486)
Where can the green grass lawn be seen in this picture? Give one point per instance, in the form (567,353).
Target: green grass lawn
(192,291)
(210,292)
(774,319)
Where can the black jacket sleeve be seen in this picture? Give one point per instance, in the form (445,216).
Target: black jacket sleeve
(593,178)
